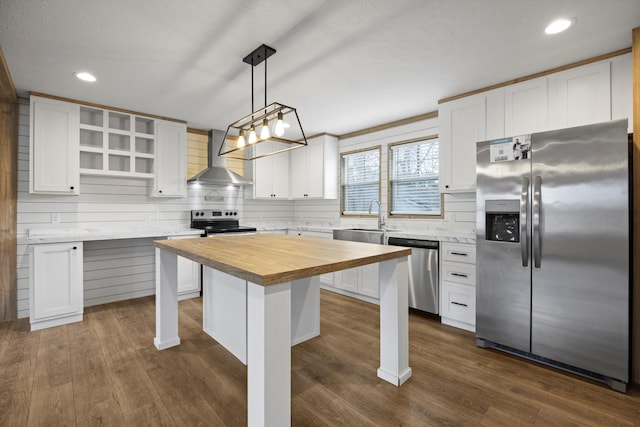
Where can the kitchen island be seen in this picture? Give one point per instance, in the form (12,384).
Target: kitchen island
(269,265)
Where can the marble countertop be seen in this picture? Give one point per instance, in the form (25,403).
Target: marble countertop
(59,235)
(442,234)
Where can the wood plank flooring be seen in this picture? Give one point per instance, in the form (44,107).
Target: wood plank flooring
(106,371)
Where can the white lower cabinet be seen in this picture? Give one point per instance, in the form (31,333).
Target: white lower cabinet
(360,280)
(55,284)
(458,285)
(189,280)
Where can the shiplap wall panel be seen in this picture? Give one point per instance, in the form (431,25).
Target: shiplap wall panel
(117,269)
(197,153)
(117,202)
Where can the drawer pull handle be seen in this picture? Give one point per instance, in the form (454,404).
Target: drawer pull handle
(459,275)
(459,303)
(459,253)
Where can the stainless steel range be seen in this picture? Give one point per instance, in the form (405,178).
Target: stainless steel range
(218,221)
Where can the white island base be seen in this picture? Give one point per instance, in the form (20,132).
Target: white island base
(224,310)
(273,314)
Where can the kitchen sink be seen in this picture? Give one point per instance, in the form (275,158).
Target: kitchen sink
(364,235)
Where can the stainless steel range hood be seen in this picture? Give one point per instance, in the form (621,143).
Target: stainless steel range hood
(216,172)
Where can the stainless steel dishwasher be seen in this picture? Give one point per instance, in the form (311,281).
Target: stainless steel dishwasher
(423,272)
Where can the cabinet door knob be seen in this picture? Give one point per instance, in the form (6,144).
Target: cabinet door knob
(159,191)
(71,187)
(75,247)
(446,186)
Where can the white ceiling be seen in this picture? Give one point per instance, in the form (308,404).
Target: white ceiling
(344,64)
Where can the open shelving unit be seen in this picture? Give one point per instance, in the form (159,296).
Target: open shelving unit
(117,144)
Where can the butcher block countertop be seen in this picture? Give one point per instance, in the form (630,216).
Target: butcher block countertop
(267,259)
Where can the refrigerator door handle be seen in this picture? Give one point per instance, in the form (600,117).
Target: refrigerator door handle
(524,206)
(537,237)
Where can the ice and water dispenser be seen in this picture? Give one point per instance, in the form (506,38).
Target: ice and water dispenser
(502,220)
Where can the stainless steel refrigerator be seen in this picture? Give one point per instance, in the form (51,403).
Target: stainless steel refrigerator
(553,248)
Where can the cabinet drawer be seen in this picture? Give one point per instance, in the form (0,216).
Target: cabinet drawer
(459,273)
(459,252)
(458,303)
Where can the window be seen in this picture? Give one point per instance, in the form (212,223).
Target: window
(360,172)
(413,178)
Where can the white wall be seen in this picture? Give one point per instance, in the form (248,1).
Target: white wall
(459,209)
(118,269)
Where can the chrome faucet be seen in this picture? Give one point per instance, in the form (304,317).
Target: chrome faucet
(380,217)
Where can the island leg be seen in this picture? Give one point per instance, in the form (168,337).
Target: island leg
(166,300)
(394,322)
(269,354)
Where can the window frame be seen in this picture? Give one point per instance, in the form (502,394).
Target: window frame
(389,181)
(340,182)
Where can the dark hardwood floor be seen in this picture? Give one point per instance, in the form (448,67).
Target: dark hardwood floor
(106,371)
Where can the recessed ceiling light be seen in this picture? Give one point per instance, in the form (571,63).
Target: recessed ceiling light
(87,77)
(559,25)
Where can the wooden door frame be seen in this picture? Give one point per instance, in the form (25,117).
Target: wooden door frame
(635,311)
(8,193)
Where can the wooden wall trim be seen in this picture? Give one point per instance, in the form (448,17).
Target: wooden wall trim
(635,316)
(106,107)
(420,117)
(8,193)
(7,88)
(537,75)
(198,131)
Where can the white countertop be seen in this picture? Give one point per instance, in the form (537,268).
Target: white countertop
(59,235)
(442,234)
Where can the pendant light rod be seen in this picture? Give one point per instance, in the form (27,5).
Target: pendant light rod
(252,109)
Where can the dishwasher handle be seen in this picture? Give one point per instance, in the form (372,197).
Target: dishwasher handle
(413,243)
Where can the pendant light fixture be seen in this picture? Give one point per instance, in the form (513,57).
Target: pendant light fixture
(279,125)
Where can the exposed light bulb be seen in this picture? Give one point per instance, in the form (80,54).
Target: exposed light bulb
(279,129)
(253,138)
(264,132)
(241,142)
(558,26)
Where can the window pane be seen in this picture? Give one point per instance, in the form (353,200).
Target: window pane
(360,180)
(414,178)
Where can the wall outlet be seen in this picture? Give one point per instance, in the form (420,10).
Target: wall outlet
(55,218)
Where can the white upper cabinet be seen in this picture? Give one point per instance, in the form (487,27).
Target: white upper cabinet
(314,169)
(53,147)
(588,94)
(69,139)
(115,143)
(462,123)
(171,160)
(525,107)
(271,173)
(580,96)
